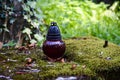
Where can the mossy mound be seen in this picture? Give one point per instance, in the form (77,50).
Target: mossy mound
(85,56)
(89,51)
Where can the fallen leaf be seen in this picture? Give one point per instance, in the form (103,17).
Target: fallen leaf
(84,66)
(29,61)
(73,66)
(31,46)
(62,60)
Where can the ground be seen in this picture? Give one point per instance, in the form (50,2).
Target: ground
(85,57)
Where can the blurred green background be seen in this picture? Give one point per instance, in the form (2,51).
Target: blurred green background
(82,18)
(75,18)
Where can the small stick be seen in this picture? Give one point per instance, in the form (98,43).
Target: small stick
(105,44)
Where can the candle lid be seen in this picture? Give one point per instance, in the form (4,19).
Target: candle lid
(53,32)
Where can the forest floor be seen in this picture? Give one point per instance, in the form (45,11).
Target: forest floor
(85,58)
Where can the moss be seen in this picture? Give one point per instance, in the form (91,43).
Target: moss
(88,53)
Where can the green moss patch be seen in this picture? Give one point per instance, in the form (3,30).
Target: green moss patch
(86,53)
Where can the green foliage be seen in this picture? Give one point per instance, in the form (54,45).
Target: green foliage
(78,18)
(10,44)
(19,20)
(35,18)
